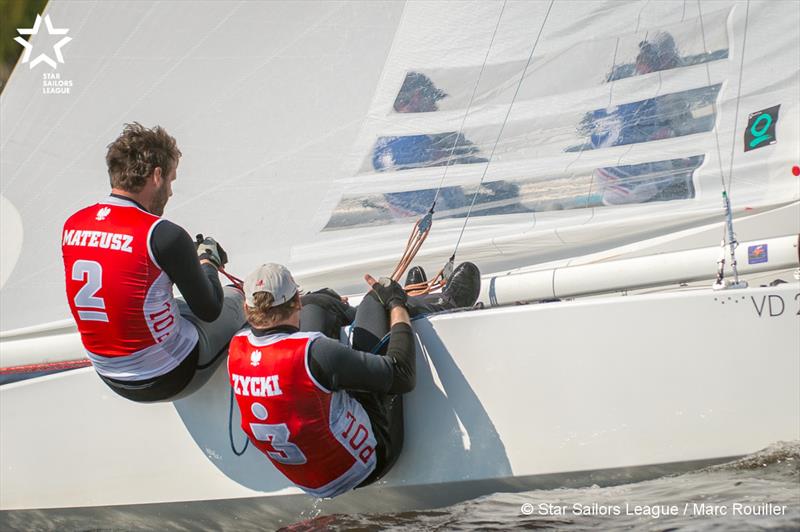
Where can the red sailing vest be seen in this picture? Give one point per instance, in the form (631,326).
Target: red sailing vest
(320,440)
(120,298)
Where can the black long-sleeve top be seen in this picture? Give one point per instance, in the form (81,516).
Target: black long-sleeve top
(338,367)
(176,254)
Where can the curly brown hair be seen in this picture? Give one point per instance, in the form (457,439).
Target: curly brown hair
(137,152)
(264,315)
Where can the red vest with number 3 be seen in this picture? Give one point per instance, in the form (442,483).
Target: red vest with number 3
(320,440)
(120,298)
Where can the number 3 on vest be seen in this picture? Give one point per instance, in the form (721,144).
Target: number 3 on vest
(277,436)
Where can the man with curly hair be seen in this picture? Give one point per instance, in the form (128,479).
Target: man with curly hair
(121,260)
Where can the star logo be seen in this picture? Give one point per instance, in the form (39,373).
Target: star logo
(255,358)
(42,58)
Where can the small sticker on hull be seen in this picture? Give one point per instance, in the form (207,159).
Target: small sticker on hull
(757,254)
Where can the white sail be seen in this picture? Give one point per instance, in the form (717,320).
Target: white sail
(543,196)
(263,98)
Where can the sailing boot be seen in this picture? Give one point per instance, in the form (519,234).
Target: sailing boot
(416,275)
(464,286)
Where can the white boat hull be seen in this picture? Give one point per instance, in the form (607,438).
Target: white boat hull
(505,400)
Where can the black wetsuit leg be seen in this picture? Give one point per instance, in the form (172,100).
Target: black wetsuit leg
(324,311)
(386,416)
(385,412)
(162,388)
(428,303)
(371,323)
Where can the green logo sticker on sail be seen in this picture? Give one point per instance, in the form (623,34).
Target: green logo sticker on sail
(760,130)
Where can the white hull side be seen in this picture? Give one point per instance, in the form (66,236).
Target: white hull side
(519,392)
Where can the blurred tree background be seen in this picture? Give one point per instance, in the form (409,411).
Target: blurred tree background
(14,14)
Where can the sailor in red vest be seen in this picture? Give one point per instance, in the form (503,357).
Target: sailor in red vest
(121,260)
(328,416)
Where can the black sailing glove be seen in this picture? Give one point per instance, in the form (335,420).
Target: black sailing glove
(390,293)
(210,250)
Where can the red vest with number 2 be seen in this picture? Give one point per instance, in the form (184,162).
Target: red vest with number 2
(121,299)
(320,440)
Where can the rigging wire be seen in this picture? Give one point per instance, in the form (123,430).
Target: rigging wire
(738,94)
(469,105)
(422,227)
(726,186)
(714,102)
(727,228)
(502,127)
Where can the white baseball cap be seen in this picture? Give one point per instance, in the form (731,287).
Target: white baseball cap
(272,278)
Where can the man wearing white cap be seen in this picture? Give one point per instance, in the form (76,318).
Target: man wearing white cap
(328,417)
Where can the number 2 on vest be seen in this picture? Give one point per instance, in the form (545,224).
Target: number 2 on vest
(92,273)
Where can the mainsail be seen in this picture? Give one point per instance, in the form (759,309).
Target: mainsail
(626,122)
(316,136)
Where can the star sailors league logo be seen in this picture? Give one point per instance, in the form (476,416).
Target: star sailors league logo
(42,58)
(52,83)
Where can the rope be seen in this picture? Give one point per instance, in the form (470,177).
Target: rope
(46,366)
(418,235)
(422,228)
(438,281)
(230,430)
(383,341)
(238,283)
